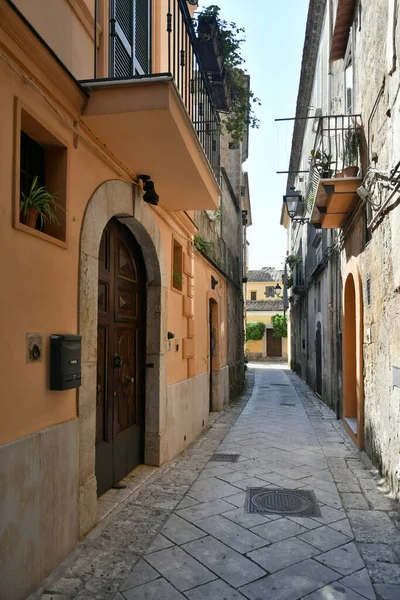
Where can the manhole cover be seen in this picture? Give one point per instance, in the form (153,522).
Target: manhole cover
(225,457)
(301,503)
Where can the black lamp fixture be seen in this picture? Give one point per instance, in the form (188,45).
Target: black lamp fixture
(292,199)
(214,282)
(150,195)
(277,290)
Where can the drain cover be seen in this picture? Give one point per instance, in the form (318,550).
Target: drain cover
(286,404)
(301,503)
(225,457)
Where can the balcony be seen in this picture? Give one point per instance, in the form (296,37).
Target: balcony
(335,170)
(161,123)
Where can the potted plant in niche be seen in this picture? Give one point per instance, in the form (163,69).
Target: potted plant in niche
(350,155)
(322,162)
(208,40)
(38,204)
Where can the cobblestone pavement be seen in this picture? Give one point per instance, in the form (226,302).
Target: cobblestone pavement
(186,534)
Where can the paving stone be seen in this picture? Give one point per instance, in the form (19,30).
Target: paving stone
(291,583)
(306,522)
(98,588)
(225,562)
(237,499)
(179,568)
(65,585)
(206,509)
(186,502)
(141,573)
(329,515)
(381,572)
(216,590)
(210,489)
(159,543)
(155,590)
(324,538)
(343,526)
(251,482)
(373,553)
(239,516)
(360,582)
(276,531)
(212,469)
(345,559)
(180,531)
(371,526)
(231,534)
(336,591)
(388,592)
(283,554)
(232,476)
(347,486)
(354,501)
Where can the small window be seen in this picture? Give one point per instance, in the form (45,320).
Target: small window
(253,295)
(269,291)
(348,78)
(41,168)
(177,270)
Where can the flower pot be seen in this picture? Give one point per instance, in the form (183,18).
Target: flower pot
(326,174)
(339,174)
(208,46)
(31,218)
(350,172)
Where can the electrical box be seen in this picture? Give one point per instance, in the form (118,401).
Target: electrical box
(65,361)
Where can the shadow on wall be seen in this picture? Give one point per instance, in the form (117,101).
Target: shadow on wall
(374,451)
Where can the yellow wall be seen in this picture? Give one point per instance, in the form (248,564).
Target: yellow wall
(259,287)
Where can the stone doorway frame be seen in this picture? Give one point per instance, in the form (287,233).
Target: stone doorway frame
(353,377)
(117,199)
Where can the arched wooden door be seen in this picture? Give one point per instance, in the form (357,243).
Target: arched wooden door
(120,356)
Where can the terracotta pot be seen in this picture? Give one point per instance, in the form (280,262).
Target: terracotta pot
(350,172)
(31,218)
(339,174)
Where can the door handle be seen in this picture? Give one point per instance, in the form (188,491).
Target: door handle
(117,361)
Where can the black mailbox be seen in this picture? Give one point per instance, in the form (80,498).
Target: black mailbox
(65,361)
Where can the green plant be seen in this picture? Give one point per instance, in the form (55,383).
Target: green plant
(351,145)
(322,162)
(201,244)
(279,323)
(177,278)
(289,282)
(293,260)
(241,113)
(39,203)
(255,331)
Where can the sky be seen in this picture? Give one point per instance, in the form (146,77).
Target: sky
(273,50)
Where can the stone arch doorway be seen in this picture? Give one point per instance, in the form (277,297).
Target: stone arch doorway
(353,386)
(123,202)
(213,353)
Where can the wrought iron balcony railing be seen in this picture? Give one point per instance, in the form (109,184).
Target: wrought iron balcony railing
(130,58)
(336,151)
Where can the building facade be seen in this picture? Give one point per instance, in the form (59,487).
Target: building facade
(344,161)
(262,304)
(112,113)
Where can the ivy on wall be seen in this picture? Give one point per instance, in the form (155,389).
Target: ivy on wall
(255,331)
(279,323)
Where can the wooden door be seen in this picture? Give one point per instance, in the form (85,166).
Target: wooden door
(318,361)
(274,344)
(120,357)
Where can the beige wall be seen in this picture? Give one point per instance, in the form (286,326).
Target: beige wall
(260,346)
(259,288)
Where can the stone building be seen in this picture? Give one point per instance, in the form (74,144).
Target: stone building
(345,159)
(115,322)
(264,301)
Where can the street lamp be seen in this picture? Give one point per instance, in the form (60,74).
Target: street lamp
(277,290)
(292,199)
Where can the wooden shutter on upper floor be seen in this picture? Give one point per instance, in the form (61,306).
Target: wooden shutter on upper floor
(129,38)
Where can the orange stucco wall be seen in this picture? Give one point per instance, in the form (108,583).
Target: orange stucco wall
(38,278)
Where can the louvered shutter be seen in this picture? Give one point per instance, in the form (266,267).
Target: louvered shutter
(129,37)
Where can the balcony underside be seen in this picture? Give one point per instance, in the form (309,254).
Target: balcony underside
(334,200)
(145,124)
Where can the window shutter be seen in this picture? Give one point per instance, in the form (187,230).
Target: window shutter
(129,37)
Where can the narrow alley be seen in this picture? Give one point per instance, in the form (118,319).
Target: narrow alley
(185,531)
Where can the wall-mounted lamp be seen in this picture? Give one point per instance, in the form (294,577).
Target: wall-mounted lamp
(244,217)
(214,282)
(150,195)
(277,290)
(292,199)
(170,335)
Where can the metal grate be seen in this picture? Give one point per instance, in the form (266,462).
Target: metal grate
(300,503)
(142,35)
(286,404)
(225,457)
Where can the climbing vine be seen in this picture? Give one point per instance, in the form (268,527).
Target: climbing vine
(255,331)
(279,323)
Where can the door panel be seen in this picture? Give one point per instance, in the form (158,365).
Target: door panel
(274,344)
(121,351)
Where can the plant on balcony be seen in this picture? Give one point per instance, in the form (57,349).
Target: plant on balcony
(322,162)
(350,155)
(292,260)
(255,331)
(38,204)
(241,99)
(279,324)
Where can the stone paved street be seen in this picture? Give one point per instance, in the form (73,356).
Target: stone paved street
(185,533)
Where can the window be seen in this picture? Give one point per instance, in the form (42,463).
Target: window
(39,154)
(253,295)
(269,291)
(177,271)
(348,78)
(129,37)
